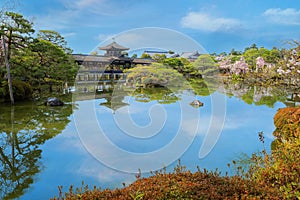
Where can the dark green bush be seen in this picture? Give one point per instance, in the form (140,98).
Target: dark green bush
(21,90)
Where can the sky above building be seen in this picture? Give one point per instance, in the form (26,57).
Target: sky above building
(217,25)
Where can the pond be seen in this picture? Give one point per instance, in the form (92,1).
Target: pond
(104,139)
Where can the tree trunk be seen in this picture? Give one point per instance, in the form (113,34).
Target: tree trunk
(9,80)
(50,87)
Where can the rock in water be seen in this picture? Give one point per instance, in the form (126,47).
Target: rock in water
(196,103)
(53,101)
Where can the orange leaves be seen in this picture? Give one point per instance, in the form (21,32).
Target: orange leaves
(287,122)
(183,185)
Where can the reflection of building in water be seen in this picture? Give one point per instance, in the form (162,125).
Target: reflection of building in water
(261,92)
(293,100)
(115,99)
(105,68)
(112,95)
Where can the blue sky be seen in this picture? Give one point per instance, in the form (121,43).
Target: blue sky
(217,25)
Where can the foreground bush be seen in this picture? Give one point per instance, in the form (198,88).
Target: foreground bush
(287,122)
(282,168)
(181,185)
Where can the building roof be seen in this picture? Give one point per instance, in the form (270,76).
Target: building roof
(166,53)
(190,55)
(142,61)
(114,46)
(87,58)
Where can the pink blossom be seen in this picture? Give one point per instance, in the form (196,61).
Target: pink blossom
(292,60)
(225,64)
(288,71)
(260,62)
(270,65)
(280,71)
(240,66)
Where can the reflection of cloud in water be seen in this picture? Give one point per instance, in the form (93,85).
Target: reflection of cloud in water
(239,134)
(242,122)
(101,147)
(86,165)
(92,168)
(235,121)
(188,128)
(71,142)
(156,115)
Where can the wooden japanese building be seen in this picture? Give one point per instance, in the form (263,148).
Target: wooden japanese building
(96,72)
(108,66)
(114,49)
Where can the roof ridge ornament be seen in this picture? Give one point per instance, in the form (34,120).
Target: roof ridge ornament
(114,46)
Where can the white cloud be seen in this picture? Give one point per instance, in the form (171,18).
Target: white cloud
(65,35)
(289,16)
(77,13)
(102,37)
(124,38)
(86,3)
(133,38)
(155,38)
(98,7)
(55,19)
(206,22)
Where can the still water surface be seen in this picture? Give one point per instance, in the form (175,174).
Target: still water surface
(41,147)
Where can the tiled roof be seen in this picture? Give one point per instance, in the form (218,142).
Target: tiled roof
(113,46)
(166,53)
(193,54)
(142,61)
(86,58)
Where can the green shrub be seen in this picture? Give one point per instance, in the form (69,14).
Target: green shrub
(21,90)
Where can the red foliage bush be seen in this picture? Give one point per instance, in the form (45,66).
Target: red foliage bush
(287,122)
(183,185)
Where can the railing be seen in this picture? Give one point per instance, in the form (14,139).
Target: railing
(98,77)
(116,71)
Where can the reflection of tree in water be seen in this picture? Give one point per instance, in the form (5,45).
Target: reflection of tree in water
(23,128)
(115,97)
(161,95)
(258,94)
(204,87)
(250,93)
